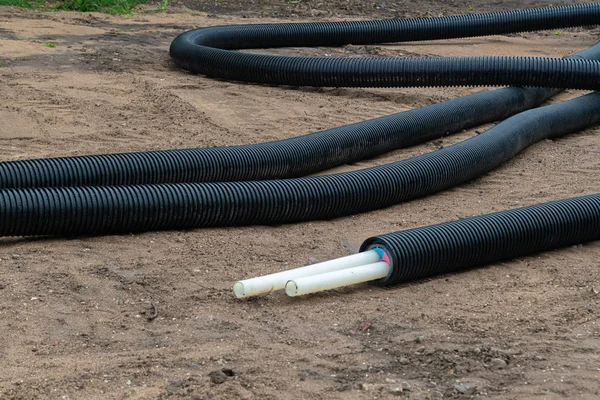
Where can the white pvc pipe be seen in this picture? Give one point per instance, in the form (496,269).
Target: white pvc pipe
(277,281)
(336,279)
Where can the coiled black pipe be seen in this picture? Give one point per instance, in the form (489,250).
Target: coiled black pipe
(203,50)
(437,249)
(208,51)
(112,209)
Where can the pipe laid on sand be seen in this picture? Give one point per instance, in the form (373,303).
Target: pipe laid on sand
(458,245)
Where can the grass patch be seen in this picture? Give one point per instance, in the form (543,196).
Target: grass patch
(19,3)
(121,7)
(163,5)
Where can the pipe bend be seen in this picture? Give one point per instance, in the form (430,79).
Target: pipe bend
(209,51)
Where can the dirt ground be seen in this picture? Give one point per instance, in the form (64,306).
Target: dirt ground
(74,312)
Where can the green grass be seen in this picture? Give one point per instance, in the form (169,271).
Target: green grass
(163,5)
(121,7)
(18,3)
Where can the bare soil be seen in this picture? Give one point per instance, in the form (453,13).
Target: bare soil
(74,313)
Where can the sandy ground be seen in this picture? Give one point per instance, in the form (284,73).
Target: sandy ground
(73,313)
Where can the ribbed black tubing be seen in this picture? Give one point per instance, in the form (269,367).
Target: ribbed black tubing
(112,209)
(208,51)
(287,158)
(437,249)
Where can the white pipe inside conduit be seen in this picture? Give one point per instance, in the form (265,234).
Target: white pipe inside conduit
(336,279)
(277,281)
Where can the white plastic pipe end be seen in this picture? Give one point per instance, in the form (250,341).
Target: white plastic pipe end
(336,279)
(238,290)
(291,289)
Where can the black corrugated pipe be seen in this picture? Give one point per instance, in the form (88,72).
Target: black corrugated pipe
(287,158)
(418,253)
(207,51)
(437,249)
(64,211)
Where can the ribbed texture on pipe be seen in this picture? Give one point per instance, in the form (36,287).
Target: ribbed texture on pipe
(54,211)
(195,50)
(208,51)
(281,159)
(437,249)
